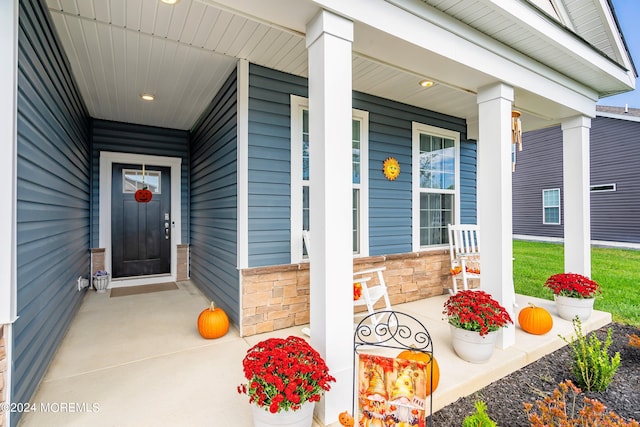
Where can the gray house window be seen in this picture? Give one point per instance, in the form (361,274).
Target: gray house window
(551,206)
(301,180)
(436,183)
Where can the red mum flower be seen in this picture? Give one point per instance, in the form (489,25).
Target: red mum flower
(284,373)
(572,285)
(475,310)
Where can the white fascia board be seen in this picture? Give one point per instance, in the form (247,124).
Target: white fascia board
(615,34)
(564,16)
(555,35)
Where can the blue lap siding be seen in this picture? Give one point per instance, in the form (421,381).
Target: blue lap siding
(389,135)
(270,164)
(614,153)
(52,199)
(214,198)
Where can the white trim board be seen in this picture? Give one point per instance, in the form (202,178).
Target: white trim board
(107,159)
(8,162)
(599,243)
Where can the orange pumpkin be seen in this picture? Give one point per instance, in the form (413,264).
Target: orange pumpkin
(424,357)
(535,320)
(213,322)
(346,419)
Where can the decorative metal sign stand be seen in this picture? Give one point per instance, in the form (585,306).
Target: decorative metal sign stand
(390,329)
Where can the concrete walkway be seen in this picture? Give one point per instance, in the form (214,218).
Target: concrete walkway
(139,361)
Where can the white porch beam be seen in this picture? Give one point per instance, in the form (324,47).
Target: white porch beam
(460,48)
(577,202)
(329,39)
(494,198)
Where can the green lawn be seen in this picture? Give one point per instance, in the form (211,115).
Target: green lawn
(616,270)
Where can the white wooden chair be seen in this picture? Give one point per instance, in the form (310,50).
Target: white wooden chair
(370,294)
(464,251)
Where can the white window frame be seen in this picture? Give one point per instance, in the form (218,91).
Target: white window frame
(603,188)
(298,104)
(107,159)
(416,130)
(559,206)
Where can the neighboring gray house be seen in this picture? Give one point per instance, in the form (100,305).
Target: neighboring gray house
(538,192)
(270,117)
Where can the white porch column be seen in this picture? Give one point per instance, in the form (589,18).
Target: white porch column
(577,202)
(494,198)
(329,39)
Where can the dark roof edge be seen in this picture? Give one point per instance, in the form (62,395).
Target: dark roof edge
(624,41)
(622,112)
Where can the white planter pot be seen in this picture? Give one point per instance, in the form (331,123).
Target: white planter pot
(472,347)
(303,417)
(568,308)
(101,283)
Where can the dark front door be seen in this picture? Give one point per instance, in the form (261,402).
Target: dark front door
(140,232)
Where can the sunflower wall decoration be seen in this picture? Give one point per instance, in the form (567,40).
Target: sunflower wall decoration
(391,168)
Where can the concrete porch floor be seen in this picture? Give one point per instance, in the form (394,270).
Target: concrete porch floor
(139,361)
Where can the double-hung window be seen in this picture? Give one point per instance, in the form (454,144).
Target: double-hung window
(551,206)
(435,177)
(302,179)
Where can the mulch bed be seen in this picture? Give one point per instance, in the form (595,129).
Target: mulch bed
(504,397)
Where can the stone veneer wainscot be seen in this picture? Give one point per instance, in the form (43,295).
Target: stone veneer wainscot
(277,297)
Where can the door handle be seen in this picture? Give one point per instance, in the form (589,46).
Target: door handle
(166,231)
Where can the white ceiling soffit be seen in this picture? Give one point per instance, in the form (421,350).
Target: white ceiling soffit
(182,54)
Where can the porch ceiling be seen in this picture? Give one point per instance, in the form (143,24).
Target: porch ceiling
(119,49)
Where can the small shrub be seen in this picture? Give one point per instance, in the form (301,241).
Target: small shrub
(592,366)
(479,418)
(561,409)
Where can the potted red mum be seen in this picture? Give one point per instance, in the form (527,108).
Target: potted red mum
(285,379)
(574,294)
(475,318)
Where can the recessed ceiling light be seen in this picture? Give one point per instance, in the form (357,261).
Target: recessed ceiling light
(170,1)
(147,97)
(426,83)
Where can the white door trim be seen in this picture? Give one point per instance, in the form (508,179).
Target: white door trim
(107,159)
